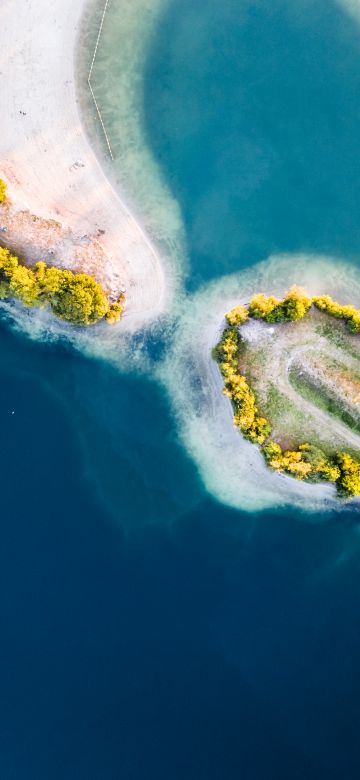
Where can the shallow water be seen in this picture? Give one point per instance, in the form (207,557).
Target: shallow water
(254,117)
(149,631)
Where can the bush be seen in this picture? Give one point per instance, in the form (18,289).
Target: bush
(115,311)
(76,298)
(293,307)
(328,471)
(236,387)
(80,299)
(237,316)
(348,313)
(265,308)
(349,479)
(296,304)
(3,189)
(293,462)
(322,467)
(23,285)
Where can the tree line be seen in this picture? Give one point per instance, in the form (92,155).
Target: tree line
(74,297)
(307,462)
(294,306)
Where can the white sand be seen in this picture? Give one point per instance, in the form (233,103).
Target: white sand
(38,149)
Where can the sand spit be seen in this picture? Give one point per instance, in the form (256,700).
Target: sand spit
(50,167)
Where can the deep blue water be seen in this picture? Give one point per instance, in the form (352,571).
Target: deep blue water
(148,632)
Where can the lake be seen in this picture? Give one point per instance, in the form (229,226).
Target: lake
(148,630)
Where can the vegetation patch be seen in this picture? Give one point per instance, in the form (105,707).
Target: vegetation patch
(307,461)
(2,191)
(324,399)
(76,298)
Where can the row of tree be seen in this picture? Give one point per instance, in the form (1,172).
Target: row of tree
(307,462)
(77,298)
(246,414)
(293,306)
(347,312)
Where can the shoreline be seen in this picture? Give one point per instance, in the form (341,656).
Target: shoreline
(49,165)
(283,489)
(232,468)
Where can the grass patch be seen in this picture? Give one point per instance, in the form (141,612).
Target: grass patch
(324,400)
(336,334)
(277,404)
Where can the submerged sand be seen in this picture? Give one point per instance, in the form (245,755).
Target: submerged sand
(53,173)
(232,468)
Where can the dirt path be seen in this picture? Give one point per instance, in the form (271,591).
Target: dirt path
(286,345)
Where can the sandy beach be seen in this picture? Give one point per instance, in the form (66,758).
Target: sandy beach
(51,169)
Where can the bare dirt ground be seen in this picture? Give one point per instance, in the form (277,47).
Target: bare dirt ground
(324,359)
(33,238)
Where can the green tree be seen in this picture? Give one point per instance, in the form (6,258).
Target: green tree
(22,285)
(77,298)
(3,189)
(80,300)
(349,480)
(115,311)
(296,304)
(263,307)
(237,316)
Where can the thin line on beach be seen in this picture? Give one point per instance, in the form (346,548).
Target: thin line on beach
(153,251)
(90,74)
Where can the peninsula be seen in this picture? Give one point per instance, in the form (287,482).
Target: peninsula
(62,207)
(291,369)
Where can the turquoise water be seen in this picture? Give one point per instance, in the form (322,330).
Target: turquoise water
(254,119)
(149,631)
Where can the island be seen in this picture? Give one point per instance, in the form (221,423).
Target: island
(291,369)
